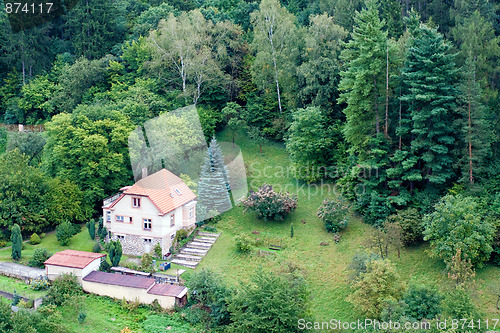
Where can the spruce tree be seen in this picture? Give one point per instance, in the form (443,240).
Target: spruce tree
(213,195)
(17,242)
(475,146)
(429,75)
(364,79)
(217,160)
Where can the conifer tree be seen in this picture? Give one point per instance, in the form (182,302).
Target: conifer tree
(363,81)
(429,76)
(217,160)
(17,242)
(213,195)
(477,134)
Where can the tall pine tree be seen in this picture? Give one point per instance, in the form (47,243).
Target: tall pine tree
(429,76)
(213,192)
(363,81)
(477,134)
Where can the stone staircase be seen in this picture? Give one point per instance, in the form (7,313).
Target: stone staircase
(192,253)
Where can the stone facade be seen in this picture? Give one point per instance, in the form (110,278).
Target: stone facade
(136,245)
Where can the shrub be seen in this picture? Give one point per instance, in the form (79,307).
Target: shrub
(411,225)
(423,302)
(105,266)
(243,244)
(103,233)
(64,287)
(39,257)
(270,205)
(210,228)
(180,235)
(334,214)
(35,239)
(458,304)
(115,252)
(64,232)
(379,283)
(42,235)
(96,248)
(359,263)
(147,262)
(157,250)
(81,317)
(40,284)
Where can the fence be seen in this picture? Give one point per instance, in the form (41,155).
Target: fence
(23,128)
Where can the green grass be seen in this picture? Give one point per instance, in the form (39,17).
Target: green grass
(103,315)
(80,241)
(325,266)
(12,285)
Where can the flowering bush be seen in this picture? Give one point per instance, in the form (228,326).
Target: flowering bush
(334,213)
(270,205)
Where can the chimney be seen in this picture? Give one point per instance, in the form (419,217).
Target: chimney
(144,172)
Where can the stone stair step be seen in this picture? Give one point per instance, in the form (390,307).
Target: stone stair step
(185,263)
(188,250)
(208,234)
(208,240)
(187,257)
(199,245)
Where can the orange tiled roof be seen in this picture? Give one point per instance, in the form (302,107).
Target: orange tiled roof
(72,258)
(160,188)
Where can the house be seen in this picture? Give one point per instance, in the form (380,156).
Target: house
(79,263)
(150,212)
(130,287)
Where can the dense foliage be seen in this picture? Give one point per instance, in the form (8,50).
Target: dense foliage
(460,223)
(396,102)
(270,205)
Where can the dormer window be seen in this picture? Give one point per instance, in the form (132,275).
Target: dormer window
(177,191)
(136,202)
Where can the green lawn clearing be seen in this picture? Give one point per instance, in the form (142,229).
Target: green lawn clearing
(325,266)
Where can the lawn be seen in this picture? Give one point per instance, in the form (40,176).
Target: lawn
(103,315)
(80,241)
(324,266)
(12,285)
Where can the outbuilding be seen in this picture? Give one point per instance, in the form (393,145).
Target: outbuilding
(79,263)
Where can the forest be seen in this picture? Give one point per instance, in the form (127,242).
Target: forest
(396,102)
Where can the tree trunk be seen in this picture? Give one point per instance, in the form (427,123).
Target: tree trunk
(400,106)
(276,76)
(377,119)
(386,128)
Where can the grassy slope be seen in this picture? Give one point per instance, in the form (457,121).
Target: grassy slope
(325,266)
(80,241)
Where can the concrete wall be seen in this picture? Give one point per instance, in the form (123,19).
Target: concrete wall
(54,271)
(130,294)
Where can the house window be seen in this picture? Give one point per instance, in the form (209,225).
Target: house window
(130,219)
(191,212)
(120,218)
(120,237)
(177,191)
(148,240)
(147,224)
(108,216)
(172,220)
(172,236)
(136,202)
